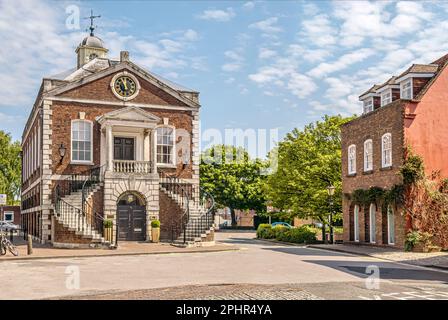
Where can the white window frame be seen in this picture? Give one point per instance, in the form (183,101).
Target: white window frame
(91,143)
(368,166)
(385,164)
(356,223)
(8,212)
(372,223)
(173,163)
(390,225)
(351,169)
(385,93)
(368,105)
(403,90)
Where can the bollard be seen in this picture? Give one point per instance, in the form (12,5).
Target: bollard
(11,235)
(30,245)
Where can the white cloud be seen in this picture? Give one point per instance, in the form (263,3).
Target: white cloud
(318,31)
(218,15)
(191,35)
(265,53)
(268,26)
(301,85)
(249,5)
(343,62)
(236,60)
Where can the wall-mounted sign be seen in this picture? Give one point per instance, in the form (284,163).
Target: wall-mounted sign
(2,199)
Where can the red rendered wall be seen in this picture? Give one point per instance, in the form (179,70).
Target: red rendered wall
(427,133)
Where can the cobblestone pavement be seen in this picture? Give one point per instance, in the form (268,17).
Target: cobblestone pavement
(208,292)
(431,259)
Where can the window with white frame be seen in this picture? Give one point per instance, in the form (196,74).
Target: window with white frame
(9,216)
(386,147)
(406,89)
(352,159)
(372,223)
(390,225)
(368,105)
(386,97)
(165,145)
(356,223)
(368,155)
(81,141)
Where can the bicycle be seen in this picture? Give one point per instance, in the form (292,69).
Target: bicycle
(5,244)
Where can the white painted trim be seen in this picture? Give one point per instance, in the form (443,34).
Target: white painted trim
(81,162)
(388,225)
(368,95)
(364,105)
(121,104)
(35,183)
(8,212)
(383,164)
(402,84)
(414,75)
(372,223)
(365,154)
(125,74)
(383,93)
(387,87)
(354,160)
(356,223)
(167,165)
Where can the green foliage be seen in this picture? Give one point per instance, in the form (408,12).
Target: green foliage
(413,169)
(309,160)
(234,180)
(377,195)
(155,224)
(303,234)
(108,223)
(10,168)
(415,237)
(264,231)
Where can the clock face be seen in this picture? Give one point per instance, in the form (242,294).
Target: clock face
(125,86)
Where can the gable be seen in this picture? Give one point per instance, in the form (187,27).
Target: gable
(130,114)
(100,89)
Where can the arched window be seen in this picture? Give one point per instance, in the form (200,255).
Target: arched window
(356,222)
(386,147)
(165,145)
(390,225)
(81,141)
(372,222)
(368,155)
(352,159)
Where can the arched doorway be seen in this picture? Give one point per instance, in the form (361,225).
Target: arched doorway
(131,217)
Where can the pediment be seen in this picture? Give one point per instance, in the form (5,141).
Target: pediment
(132,114)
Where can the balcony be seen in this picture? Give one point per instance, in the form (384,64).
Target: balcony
(132,166)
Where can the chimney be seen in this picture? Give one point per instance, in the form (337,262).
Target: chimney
(124,56)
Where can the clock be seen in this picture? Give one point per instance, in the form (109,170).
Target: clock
(125,86)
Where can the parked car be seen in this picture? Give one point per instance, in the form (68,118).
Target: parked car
(7,225)
(283,224)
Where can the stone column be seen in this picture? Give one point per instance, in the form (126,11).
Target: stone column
(109,147)
(153,152)
(146,146)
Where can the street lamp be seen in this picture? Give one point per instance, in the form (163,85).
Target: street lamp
(62,150)
(330,190)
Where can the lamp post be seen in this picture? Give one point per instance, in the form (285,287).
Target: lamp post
(62,150)
(330,190)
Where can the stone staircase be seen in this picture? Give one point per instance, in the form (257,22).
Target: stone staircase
(199,230)
(69,214)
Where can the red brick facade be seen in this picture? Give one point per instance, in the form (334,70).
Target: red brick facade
(418,124)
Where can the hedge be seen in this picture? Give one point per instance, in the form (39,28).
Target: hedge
(303,234)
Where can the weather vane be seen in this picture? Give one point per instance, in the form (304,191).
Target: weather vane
(91,21)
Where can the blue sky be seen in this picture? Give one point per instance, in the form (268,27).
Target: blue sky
(257,64)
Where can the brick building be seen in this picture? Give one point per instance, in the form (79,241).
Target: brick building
(10,214)
(108,140)
(409,110)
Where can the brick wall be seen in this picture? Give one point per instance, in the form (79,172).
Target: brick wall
(13,209)
(100,90)
(170,215)
(64,235)
(64,112)
(388,119)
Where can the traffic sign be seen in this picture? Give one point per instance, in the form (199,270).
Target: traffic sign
(2,199)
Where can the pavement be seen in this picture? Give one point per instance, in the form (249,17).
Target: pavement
(431,259)
(257,270)
(124,248)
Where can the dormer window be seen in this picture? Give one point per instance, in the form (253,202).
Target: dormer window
(368,105)
(386,97)
(406,89)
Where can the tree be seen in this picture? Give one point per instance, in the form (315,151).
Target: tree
(10,168)
(309,160)
(234,180)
